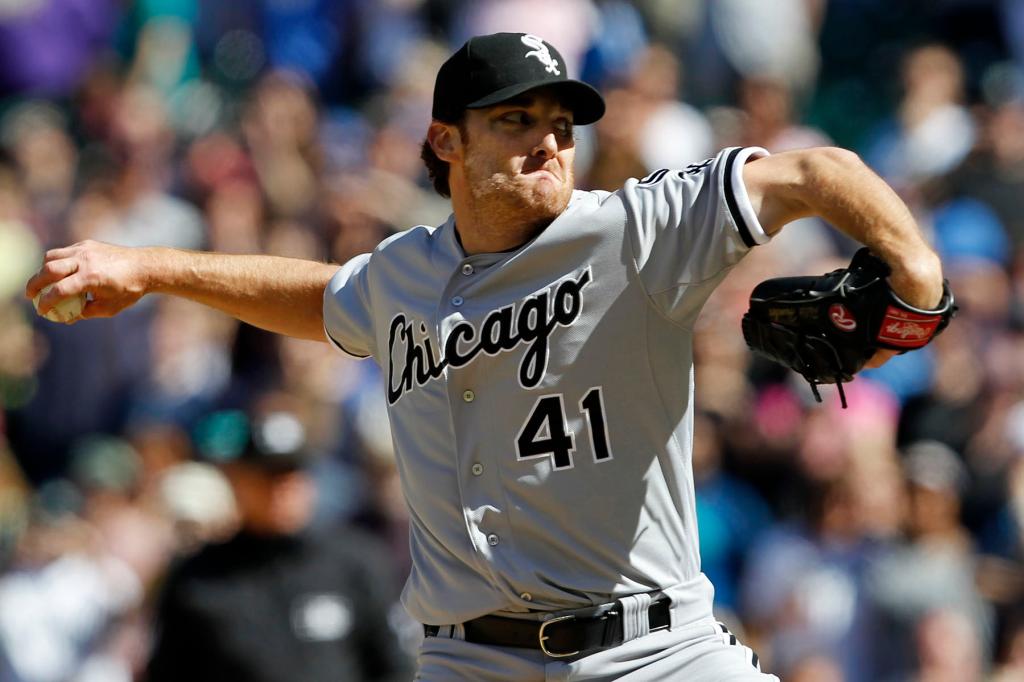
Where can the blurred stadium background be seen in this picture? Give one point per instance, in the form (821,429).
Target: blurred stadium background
(884,542)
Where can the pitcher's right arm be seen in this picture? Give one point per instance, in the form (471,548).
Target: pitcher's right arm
(282,295)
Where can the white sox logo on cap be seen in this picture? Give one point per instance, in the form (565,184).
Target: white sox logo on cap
(540,51)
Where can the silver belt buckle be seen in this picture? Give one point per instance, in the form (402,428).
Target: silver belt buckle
(544,637)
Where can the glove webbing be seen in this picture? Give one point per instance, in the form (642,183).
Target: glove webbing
(838,375)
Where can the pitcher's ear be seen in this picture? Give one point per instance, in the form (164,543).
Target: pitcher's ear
(445,140)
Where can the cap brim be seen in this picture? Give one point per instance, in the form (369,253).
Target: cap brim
(586,103)
(275,463)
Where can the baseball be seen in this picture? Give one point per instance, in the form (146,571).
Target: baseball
(66,310)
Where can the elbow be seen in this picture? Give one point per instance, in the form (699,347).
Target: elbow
(841,156)
(801,183)
(825,172)
(825,163)
(811,174)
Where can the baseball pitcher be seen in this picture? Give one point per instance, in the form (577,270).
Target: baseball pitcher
(537,353)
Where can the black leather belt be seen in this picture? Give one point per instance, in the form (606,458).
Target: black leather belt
(560,636)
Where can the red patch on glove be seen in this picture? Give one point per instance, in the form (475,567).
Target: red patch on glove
(906,329)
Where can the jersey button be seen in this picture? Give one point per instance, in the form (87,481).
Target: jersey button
(467,269)
(493,540)
(468,396)
(457,301)
(477,468)
(526,596)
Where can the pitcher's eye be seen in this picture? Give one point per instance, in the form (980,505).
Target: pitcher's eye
(516,117)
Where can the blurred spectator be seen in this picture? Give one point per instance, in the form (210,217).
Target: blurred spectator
(568,24)
(952,410)
(1000,533)
(804,587)
(746,38)
(674,133)
(81,571)
(54,611)
(933,131)
(647,128)
(279,125)
(770,118)
(384,512)
(63,37)
(198,499)
(190,363)
(994,171)
(816,669)
(19,251)
(46,160)
(835,439)
(221,611)
(15,498)
(1011,652)
(730,514)
(73,397)
(389,34)
(932,571)
(948,649)
(164,54)
(620,35)
(144,212)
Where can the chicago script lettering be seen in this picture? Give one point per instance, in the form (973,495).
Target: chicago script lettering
(503,329)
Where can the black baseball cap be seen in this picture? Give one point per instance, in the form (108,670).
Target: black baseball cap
(493,68)
(275,442)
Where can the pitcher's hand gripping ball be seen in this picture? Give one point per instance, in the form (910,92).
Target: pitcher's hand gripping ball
(826,328)
(66,310)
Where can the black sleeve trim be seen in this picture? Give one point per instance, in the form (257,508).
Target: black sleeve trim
(342,348)
(730,201)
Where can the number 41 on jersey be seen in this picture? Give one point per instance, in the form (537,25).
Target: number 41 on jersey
(544,434)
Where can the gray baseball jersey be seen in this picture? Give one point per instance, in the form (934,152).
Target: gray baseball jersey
(540,399)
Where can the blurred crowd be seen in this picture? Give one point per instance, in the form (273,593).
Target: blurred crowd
(881,542)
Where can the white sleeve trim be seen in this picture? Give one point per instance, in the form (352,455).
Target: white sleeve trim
(746,211)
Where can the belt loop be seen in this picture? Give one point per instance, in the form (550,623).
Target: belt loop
(635,622)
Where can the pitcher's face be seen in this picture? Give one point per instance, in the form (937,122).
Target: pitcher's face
(521,151)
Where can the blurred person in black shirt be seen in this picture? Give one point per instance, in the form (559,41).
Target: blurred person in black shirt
(278,601)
